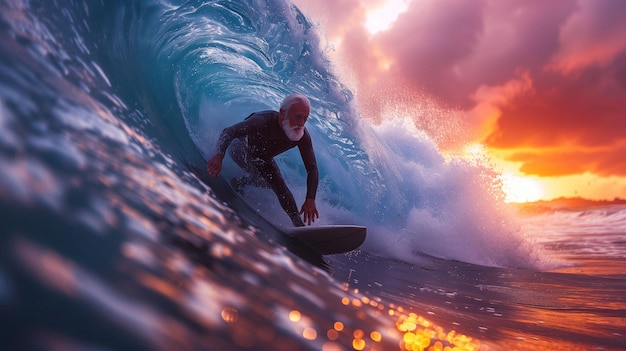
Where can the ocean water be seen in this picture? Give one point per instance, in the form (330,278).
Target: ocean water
(112,239)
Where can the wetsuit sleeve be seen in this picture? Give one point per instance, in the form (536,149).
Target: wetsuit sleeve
(237,130)
(308,157)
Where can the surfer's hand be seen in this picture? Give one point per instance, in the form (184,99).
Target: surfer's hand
(309,209)
(214,166)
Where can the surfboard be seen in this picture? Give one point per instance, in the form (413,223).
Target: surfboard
(303,241)
(330,239)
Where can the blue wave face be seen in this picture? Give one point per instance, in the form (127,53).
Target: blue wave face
(203,66)
(175,73)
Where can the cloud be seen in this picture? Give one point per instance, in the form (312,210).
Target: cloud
(429,52)
(604,161)
(547,76)
(587,109)
(593,35)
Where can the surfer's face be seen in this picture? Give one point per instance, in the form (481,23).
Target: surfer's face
(293,121)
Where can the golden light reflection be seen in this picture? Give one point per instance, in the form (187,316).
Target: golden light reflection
(420,334)
(358,334)
(295,316)
(309,333)
(357,303)
(358,344)
(412,331)
(230,315)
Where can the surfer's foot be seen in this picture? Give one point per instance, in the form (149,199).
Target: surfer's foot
(239,184)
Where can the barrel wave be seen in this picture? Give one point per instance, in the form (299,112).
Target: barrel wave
(113,237)
(198,67)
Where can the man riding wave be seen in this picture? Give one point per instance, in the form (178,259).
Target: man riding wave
(258,139)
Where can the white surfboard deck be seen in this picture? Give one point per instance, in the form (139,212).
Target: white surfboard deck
(330,239)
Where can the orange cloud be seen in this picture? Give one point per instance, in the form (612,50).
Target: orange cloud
(606,162)
(585,110)
(490,99)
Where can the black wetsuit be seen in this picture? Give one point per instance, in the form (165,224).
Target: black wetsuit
(260,138)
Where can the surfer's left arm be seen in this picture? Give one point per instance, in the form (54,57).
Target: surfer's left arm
(309,208)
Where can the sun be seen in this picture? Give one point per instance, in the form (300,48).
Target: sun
(516,187)
(521,189)
(381,18)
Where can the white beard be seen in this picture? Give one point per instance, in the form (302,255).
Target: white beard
(293,133)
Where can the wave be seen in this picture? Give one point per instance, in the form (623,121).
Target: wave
(178,72)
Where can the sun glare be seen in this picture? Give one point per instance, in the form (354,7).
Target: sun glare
(475,152)
(381,18)
(521,189)
(516,188)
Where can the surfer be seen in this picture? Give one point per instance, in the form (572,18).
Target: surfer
(260,137)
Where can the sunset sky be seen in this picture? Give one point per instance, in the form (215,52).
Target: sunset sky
(538,87)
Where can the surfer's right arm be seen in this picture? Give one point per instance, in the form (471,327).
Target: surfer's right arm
(237,130)
(214,166)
